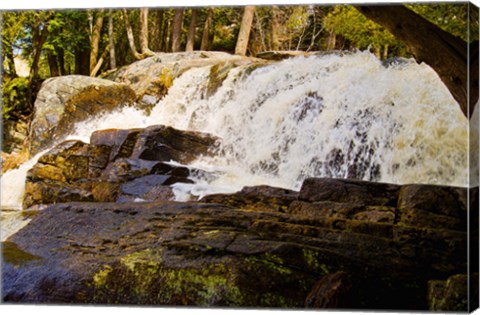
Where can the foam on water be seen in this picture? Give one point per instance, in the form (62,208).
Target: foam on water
(325,116)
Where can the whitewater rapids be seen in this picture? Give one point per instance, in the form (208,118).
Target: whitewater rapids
(343,116)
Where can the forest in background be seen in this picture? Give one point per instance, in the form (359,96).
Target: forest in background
(93,41)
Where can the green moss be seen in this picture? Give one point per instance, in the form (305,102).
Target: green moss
(100,278)
(166,78)
(142,278)
(218,74)
(12,254)
(207,288)
(311,257)
(273,263)
(145,257)
(270,299)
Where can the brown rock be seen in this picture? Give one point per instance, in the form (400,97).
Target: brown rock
(63,101)
(161,143)
(349,191)
(331,291)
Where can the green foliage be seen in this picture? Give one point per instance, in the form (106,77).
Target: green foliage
(451,17)
(361,32)
(15,98)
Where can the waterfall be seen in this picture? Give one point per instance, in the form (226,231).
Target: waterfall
(348,116)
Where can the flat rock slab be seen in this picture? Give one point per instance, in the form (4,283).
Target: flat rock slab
(232,254)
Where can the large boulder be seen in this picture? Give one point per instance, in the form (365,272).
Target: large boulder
(63,101)
(241,254)
(152,77)
(117,165)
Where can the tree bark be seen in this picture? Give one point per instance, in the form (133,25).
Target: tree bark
(61,60)
(245,28)
(158,31)
(111,40)
(131,38)
(95,39)
(275,27)
(177,30)
(82,61)
(100,61)
(205,45)
(39,36)
(53,64)
(144,32)
(191,31)
(445,53)
(10,59)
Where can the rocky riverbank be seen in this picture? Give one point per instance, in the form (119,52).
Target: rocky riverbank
(334,244)
(105,228)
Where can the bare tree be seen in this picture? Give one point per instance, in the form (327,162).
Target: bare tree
(144,33)
(205,45)
(111,40)
(245,28)
(131,38)
(191,31)
(177,30)
(95,38)
(158,30)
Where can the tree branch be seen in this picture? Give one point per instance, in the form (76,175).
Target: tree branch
(445,53)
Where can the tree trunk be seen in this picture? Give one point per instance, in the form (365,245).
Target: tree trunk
(385,51)
(332,40)
(165,38)
(177,30)
(191,31)
(53,64)
(131,38)
(82,61)
(245,28)
(61,60)
(275,27)
(144,32)
(95,39)
(10,59)
(445,53)
(158,31)
(39,36)
(205,45)
(111,40)
(100,61)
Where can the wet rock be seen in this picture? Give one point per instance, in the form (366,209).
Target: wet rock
(260,198)
(121,141)
(150,187)
(350,191)
(152,77)
(330,292)
(280,55)
(455,293)
(162,143)
(203,254)
(62,101)
(429,206)
(115,162)
(324,209)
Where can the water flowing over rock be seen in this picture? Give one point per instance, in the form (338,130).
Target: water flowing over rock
(264,253)
(272,159)
(117,165)
(63,101)
(151,77)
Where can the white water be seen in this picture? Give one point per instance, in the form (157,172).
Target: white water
(331,116)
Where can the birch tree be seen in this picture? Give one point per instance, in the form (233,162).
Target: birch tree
(245,28)
(177,30)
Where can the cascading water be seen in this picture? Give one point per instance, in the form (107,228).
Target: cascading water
(324,116)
